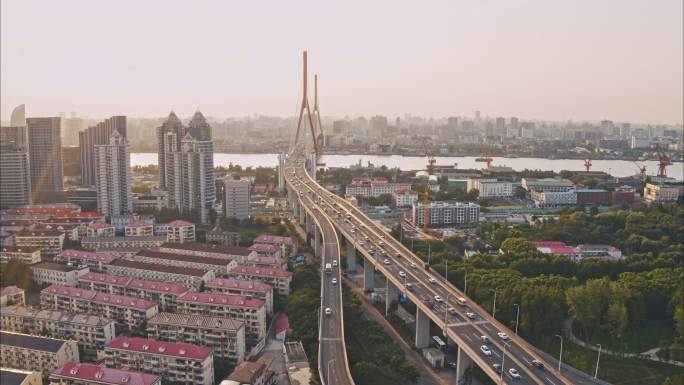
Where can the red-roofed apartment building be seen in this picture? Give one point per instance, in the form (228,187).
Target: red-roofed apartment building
(74,373)
(128,312)
(247,288)
(176,362)
(251,373)
(251,311)
(180,231)
(279,278)
(94,261)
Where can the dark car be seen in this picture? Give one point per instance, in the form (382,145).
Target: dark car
(497,368)
(538,364)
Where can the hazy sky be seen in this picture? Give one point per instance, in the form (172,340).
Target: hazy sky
(580,60)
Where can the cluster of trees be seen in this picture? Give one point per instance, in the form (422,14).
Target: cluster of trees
(302,310)
(373,357)
(17,273)
(252,227)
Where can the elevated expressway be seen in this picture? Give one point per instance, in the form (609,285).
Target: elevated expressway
(333,367)
(463,323)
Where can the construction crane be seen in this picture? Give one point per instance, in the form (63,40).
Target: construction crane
(587,164)
(663,162)
(642,170)
(430,157)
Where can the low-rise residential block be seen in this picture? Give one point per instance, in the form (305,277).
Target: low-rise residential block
(40,354)
(94,261)
(74,373)
(278,278)
(247,288)
(48,273)
(27,255)
(186,276)
(12,295)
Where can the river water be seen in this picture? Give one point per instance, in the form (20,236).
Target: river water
(619,168)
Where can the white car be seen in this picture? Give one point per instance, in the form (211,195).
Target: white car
(334,262)
(413,265)
(386,261)
(485,350)
(334,281)
(438,298)
(328,311)
(402,274)
(432,280)
(514,373)
(452,310)
(470,315)
(503,336)
(360,243)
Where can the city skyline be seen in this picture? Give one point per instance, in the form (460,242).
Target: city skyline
(439,60)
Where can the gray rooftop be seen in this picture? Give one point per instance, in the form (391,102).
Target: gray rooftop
(55,315)
(31,342)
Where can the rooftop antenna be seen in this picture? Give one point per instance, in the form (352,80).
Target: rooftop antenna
(305,106)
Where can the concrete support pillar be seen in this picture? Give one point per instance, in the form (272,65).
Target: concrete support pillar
(351,257)
(422,329)
(462,363)
(368,271)
(308,224)
(392,295)
(317,241)
(302,213)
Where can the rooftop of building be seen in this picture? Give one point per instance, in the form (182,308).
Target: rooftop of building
(180,223)
(47,265)
(145,238)
(122,281)
(191,271)
(100,225)
(134,224)
(19,249)
(88,255)
(13,376)
(208,248)
(261,271)
(193,320)
(38,233)
(221,299)
(264,248)
(96,296)
(10,290)
(91,373)
(82,214)
(150,346)
(288,241)
(241,284)
(247,372)
(55,315)
(183,258)
(28,341)
(295,352)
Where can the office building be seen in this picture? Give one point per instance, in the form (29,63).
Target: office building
(40,354)
(15,167)
(186,276)
(91,374)
(113,176)
(225,336)
(163,293)
(128,312)
(71,161)
(88,139)
(45,154)
(186,164)
(660,193)
(177,362)
(251,311)
(92,332)
(446,213)
(20,377)
(27,255)
(49,273)
(490,187)
(236,202)
(587,197)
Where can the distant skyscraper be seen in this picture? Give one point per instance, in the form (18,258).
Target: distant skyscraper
(236,202)
(500,126)
(45,154)
(92,136)
(113,176)
(15,171)
(186,164)
(514,128)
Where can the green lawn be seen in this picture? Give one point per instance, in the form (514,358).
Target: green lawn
(658,332)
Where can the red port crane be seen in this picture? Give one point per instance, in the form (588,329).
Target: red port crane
(663,162)
(430,157)
(642,170)
(587,164)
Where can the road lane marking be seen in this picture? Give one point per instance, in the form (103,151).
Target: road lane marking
(467,337)
(549,380)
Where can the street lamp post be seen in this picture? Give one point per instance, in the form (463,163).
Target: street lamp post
(446,314)
(597,361)
(328,372)
(560,356)
(465,284)
(494,308)
(517,317)
(503,361)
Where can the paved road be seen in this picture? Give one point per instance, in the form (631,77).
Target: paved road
(466,323)
(332,354)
